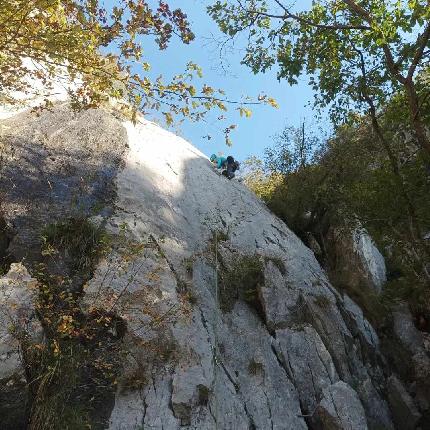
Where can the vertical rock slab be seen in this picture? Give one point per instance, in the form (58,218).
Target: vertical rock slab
(361,328)
(405,413)
(372,261)
(340,409)
(18,325)
(355,260)
(409,356)
(309,364)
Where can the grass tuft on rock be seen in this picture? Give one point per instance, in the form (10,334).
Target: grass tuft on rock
(278,263)
(83,242)
(242,281)
(255,368)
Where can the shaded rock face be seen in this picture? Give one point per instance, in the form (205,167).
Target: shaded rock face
(55,166)
(354,259)
(18,324)
(7,233)
(407,350)
(286,352)
(340,408)
(405,413)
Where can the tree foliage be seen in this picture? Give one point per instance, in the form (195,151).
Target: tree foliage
(97,52)
(351,179)
(357,53)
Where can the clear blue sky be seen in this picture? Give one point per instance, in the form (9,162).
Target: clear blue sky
(252,135)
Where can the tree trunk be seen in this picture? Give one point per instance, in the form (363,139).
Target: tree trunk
(416,119)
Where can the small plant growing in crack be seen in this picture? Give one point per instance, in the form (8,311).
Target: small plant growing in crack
(81,241)
(188,264)
(322,301)
(220,236)
(278,263)
(242,281)
(255,368)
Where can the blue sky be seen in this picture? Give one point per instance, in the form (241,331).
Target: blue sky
(254,134)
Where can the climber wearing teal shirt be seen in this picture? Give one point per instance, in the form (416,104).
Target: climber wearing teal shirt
(228,164)
(219,161)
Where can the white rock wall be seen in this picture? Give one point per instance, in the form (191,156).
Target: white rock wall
(229,370)
(187,363)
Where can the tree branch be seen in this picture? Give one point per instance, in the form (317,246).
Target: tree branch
(289,15)
(391,64)
(422,43)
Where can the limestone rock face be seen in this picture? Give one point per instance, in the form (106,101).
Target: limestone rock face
(340,408)
(405,413)
(18,323)
(309,363)
(230,321)
(406,349)
(371,259)
(355,259)
(56,165)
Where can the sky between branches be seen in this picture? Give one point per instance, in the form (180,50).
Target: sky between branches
(251,135)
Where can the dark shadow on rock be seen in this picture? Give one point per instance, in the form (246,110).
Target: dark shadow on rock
(52,170)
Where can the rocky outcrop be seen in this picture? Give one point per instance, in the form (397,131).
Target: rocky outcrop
(19,326)
(405,413)
(308,362)
(405,348)
(340,408)
(354,259)
(55,166)
(229,320)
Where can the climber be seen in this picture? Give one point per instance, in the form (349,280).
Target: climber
(229,164)
(219,162)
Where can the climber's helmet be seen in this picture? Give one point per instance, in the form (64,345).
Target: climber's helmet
(213,157)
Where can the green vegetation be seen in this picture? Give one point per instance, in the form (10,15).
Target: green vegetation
(98,48)
(216,239)
(241,281)
(255,368)
(322,301)
(188,264)
(220,236)
(278,263)
(355,52)
(83,242)
(204,393)
(350,177)
(73,373)
(156,352)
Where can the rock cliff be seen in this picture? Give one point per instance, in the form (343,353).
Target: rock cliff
(227,321)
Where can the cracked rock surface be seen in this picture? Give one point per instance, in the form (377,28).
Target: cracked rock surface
(286,353)
(340,408)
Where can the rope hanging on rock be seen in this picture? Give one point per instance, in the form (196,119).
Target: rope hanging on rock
(215,347)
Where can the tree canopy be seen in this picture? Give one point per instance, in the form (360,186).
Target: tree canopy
(101,51)
(357,53)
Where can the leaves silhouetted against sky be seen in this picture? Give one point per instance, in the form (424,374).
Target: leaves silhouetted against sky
(222,69)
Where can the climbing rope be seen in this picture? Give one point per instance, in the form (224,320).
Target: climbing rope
(215,347)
